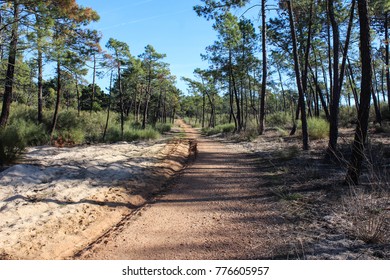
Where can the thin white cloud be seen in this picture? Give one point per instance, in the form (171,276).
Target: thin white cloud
(144,19)
(126,6)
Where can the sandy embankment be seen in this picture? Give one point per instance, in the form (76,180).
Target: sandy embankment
(63,199)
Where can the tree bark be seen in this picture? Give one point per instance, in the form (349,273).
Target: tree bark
(320,94)
(147,100)
(305,135)
(237,118)
(58,99)
(335,94)
(121,98)
(108,109)
(360,140)
(203,108)
(78,95)
(9,77)
(387,56)
(93,83)
(353,85)
(346,46)
(378,115)
(264,78)
(40,86)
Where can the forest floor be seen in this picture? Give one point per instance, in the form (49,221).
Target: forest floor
(264,199)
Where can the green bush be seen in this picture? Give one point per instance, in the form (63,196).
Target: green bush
(113,134)
(227,128)
(72,128)
(211,131)
(93,125)
(248,134)
(385,112)
(163,127)
(32,134)
(318,128)
(68,119)
(148,134)
(12,144)
(22,112)
(136,125)
(347,116)
(130,134)
(222,128)
(279,119)
(73,136)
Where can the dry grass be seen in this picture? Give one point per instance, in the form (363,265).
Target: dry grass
(368,216)
(323,218)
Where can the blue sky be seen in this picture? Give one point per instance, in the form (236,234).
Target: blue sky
(171,26)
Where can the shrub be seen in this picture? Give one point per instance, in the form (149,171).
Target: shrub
(281,132)
(12,144)
(347,116)
(136,125)
(130,134)
(22,112)
(140,134)
(367,215)
(113,134)
(317,128)
(67,120)
(227,128)
(248,135)
(148,134)
(280,119)
(33,134)
(163,127)
(223,128)
(93,125)
(385,112)
(288,153)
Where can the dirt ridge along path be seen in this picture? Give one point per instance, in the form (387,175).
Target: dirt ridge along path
(215,209)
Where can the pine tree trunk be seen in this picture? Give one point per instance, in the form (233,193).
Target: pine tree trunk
(237,119)
(40,86)
(203,109)
(353,85)
(9,77)
(335,94)
(360,140)
(58,99)
(78,95)
(387,56)
(320,95)
(305,135)
(108,110)
(264,78)
(121,100)
(346,46)
(93,83)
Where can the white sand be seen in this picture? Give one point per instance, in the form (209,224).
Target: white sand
(66,197)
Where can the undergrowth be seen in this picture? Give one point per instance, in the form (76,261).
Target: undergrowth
(23,130)
(222,128)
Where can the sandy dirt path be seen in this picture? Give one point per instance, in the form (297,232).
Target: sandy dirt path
(61,199)
(215,209)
